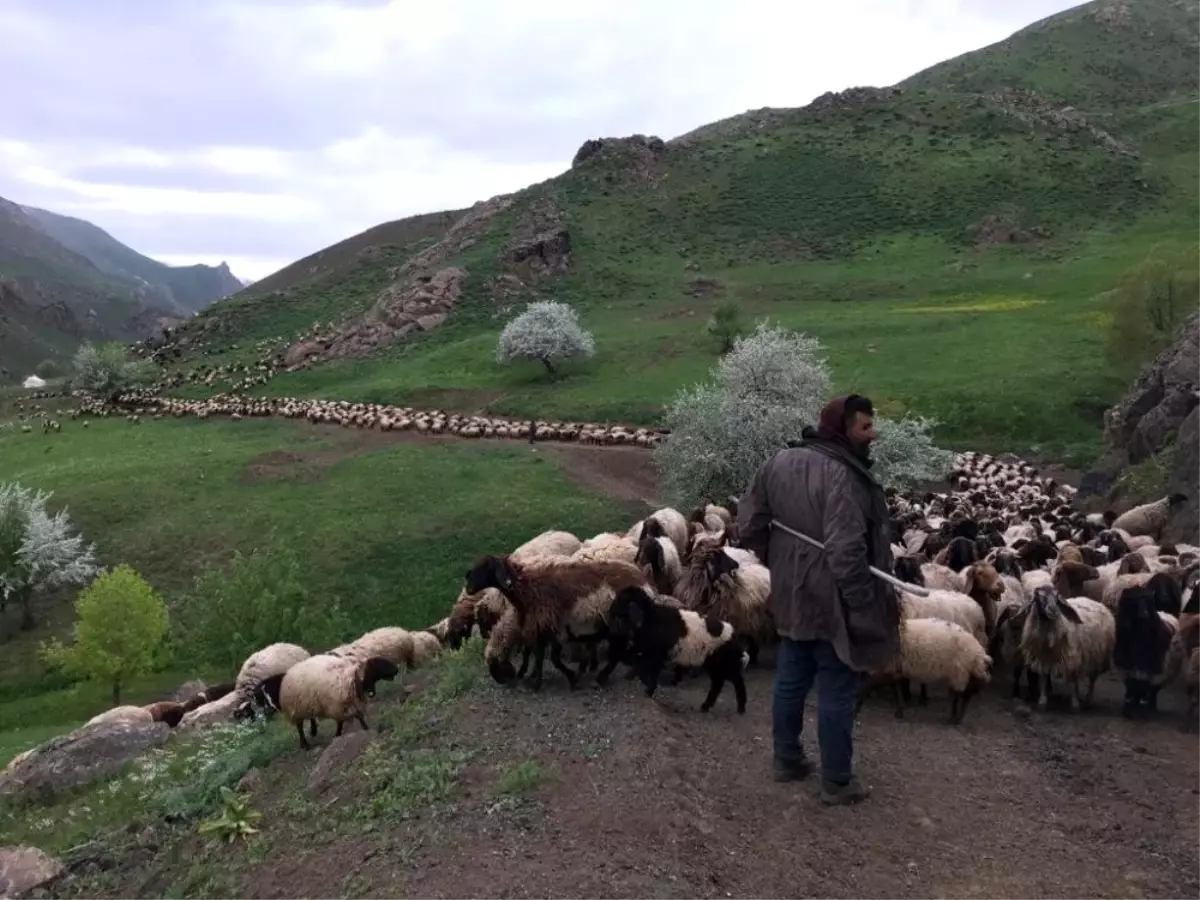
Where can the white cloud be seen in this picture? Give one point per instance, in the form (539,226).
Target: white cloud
(303,123)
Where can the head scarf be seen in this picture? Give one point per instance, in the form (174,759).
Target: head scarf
(832,427)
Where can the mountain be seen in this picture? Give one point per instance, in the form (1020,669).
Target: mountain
(1068,148)
(63,280)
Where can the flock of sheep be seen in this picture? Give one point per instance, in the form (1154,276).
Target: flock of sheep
(381,417)
(1013,575)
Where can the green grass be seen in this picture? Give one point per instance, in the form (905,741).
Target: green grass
(385,528)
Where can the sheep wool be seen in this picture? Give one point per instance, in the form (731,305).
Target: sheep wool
(950,606)
(549,543)
(1147,519)
(943,578)
(122,714)
(323,687)
(937,651)
(1115,587)
(606,547)
(426,648)
(698,643)
(168,711)
(274,659)
(674,527)
(715,584)
(393,644)
(1062,649)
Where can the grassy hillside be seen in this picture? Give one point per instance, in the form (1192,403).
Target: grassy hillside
(951,241)
(400,520)
(1099,57)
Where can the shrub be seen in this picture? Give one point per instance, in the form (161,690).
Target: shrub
(546,331)
(120,627)
(1150,303)
(725,324)
(107,371)
(37,550)
(47,369)
(759,397)
(259,599)
(905,454)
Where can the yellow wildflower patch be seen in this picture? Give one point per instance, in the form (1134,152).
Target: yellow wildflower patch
(997,304)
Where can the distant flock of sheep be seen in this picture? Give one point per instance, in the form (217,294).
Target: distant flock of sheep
(139,404)
(1014,575)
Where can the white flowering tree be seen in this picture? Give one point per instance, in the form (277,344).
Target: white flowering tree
(107,370)
(905,454)
(547,331)
(760,396)
(38,552)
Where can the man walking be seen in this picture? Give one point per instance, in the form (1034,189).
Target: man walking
(834,618)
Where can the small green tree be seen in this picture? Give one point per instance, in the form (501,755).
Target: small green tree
(1150,303)
(48,369)
(120,626)
(726,324)
(259,598)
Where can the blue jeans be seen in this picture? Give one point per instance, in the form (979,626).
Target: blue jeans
(797,665)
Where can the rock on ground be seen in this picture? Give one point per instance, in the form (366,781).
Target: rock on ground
(80,757)
(25,869)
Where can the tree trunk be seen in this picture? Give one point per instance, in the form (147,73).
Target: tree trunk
(25,598)
(549,367)
(116,691)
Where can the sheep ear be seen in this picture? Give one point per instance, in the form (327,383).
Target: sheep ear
(1068,610)
(969,579)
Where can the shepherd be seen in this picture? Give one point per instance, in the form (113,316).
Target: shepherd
(835,619)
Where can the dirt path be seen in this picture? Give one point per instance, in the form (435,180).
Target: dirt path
(631,797)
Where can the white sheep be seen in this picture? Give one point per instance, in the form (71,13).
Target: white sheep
(1070,639)
(549,543)
(392,643)
(943,578)
(936,651)
(324,687)
(672,525)
(951,606)
(426,648)
(606,547)
(274,659)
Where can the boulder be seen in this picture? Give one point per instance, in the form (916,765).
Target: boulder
(75,759)
(1159,400)
(25,869)
(1157,415)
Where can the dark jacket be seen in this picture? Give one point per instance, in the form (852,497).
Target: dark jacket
(823,489)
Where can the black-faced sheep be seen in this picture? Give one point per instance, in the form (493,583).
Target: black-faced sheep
(392,643)
(667,522)
(1142,651)
(324,687)
(731,586)
(555,600)
(274,659)
(659,560)
(1070,639)
(661,635)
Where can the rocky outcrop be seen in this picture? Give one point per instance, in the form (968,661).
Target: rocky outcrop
(80,757)
(1157,416)
(541,243)
(24,870)
(633,159)
(422,294)
(407,305)
(1040,112)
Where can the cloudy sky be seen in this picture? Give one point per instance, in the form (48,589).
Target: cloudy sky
(258,131)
